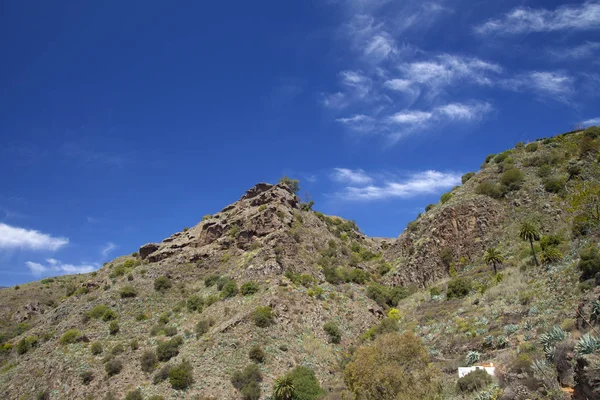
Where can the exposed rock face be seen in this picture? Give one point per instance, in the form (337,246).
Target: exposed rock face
(148,249)
(28,311)
(462,227)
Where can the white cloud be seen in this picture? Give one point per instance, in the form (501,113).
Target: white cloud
(584,16)
(447,69)
(356,177)
(591,122)
(359,122)
(108,248)
(558,85)
(12,237)
(56,267)
(586,50)
(356,82)
(411,117)
(419,183)
(448,112)
(334,100)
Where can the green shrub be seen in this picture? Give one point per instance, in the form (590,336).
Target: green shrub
(113,328)
(459,287)
(257,354)
(170,331)
(71,336)
(251,373)
(305,384)
(162,284)
(134,395)
(128,291)
(96,348)
(251,391)
(43,395)
(429,207)
(134,344)
(333,331)
(202,327)
(490,189)
(589,263)
(249,288)
(162,374)
(113,367)
(554,184)
(474,381)
(531,147)
(263,317)
(211,280)
(195,303)
(168,349)
(181,375)
(23,346)
(117,349)
(141,317)
(465,178)
(544,171)
(513,179)
(292,184)
(86,377)
(574,171)
(119,270)
(229,289)
(550,241)
(445,197)
(98,311)
(502,156)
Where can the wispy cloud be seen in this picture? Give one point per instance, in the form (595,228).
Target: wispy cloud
(358,122)
(591,122)
(12,237)
(415,184)
(586,50)
(584,16)
(56,267)
(557,85)
(346,175)
(106,250)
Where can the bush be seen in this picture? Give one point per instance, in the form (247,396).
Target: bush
(465,178)
(554,184)
(589,263)
(249,288)
(229,289)
(96,348)
(459,287)
(113,328)
(335,335)
(202,327)
(445,197)
(531,147)
(148,361)
(502,156)
(98,311)
(513,179)
(134,395)
(544,171)
(251,373)
(23,346)
(211,280)
(490,189)
(549,241)
(181,375)
(162,374)
(162,284)
(109,315)
(474,381)
(551,255)
(256,354)
(127,292)
(170,331)
(86,377)
(141,317)
(251,391)
(113,367)
(397,365)
(263,317)
(117,349)
(195,303)
(168,349)
(71,336)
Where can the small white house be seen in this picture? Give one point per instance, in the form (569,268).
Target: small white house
(489,368)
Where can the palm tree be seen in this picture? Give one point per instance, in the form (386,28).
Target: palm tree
(283,389)
(493,257)
(530,232)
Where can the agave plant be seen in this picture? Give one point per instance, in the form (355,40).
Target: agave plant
(588,344)
(549,340)
(471,358)
(283,389)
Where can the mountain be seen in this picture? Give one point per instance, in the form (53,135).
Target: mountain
(269,293)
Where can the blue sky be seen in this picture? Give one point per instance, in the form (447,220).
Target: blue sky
(123,122)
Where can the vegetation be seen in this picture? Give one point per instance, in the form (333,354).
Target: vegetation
(113,328)
(466,177)
(247,380)
(395,364)
(166,350)
(263,317)
(333,331)
(493,257)
(162,284)
(71,336)
(293,184)
(474,381)
(113,367)
(530,232)
(127,292)
(257,354)
(512,179)
(181,375)
(249,288)
(148,361)
(459,287)
(589,263)
(134,395)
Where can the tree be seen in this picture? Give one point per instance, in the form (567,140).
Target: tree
(493,257)
(530,232)
(283,389)
(293,184)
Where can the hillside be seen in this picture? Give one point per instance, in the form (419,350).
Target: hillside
(268,286)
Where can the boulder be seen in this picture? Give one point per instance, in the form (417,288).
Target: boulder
(148,249)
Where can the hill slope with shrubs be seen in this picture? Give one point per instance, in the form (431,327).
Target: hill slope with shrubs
(269,299)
